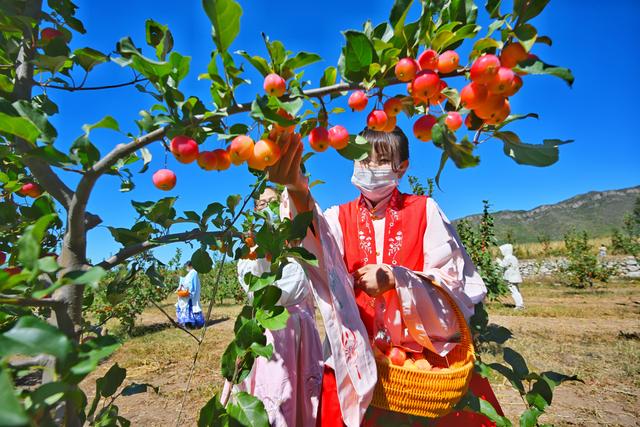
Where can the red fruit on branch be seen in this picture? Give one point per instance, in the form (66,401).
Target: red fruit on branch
(240,149)
(164,179)
(448,62)
(406,69)
(279,128)
(377,120)
(473,95)
(274,85)
(453,120)
(484,69)
(319,138)
(267,152)
(338,137)
(391,124)
(439,97)
(184,149)
(515,86)
(490,107)
(423,126)
(500,115)
(48,34)
(502,82)
(207,160)
(428,60)
(425,85)
(358,100)
(393,107)
(473,122)
(30,189)
(223,160)
(512,54)
(3,258)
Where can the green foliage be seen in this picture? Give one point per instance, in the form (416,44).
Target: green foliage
(627,241)
(228,287)
(582,268)
(535,389)
(127,290)
(418,188)
(479,241)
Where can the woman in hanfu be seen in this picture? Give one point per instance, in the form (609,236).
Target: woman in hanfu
(188,310)
(376,255)
(289,383)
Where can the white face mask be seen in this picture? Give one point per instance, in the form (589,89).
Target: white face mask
(374,183)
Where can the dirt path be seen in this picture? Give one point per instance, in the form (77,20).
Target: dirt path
(573,332)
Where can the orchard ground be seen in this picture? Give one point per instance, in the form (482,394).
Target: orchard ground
(592,333)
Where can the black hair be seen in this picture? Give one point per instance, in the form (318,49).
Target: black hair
(393,145)
(188,264)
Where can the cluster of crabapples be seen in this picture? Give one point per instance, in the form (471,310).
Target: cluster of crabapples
(492,82)
(396,356)
(258,155)
(486,97)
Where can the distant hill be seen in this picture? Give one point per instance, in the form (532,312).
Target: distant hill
(597,212)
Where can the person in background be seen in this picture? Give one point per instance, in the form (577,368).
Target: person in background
(188,310)
(289,383)
(511,274)
(602,251)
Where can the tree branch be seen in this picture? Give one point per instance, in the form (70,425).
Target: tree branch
(30,302)
(173,322)
(81,87)
(129,251)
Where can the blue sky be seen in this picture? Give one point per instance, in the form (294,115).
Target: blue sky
(596,42)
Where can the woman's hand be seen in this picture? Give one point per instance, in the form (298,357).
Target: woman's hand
(287,171)
(374,279)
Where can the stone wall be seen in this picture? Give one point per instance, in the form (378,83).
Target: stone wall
(626,266)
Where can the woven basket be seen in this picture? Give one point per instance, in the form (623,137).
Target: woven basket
(183,293)
(425,393)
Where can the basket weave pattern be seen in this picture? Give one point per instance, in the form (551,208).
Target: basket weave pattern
(425,393)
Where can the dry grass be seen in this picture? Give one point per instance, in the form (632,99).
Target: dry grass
(535,250)
(562,329)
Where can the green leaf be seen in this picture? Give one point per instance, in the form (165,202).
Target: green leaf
(106,122)
(329,76)
(358,55)
(529,418)
(39,119)
(11,411)
(250,333)
(31,336)
(273,319)
(302,255)
(536,66)
(160,37)
(19,126)
(88,58)
(111,381)
(357,149)
(29,242)
(6,84)
(201,261)
(398,15)
(461,154)
(443,161)
(516,361)
(258,62)
(225,19)
(526,10)
(301,59)
(544,154)
(93,352)
(265,351)
(299,225)
(527,34)
(213,414)
(248,410)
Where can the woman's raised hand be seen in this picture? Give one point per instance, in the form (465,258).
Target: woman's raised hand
(287,170)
